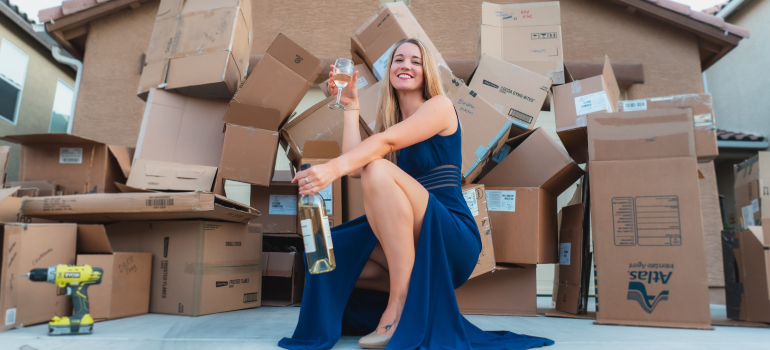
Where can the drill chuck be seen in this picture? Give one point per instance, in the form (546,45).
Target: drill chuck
(42,275)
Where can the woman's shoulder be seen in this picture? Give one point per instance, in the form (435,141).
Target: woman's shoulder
(441,103)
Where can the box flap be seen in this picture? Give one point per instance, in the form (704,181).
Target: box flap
(315,149)
(650,134)
(280,264)
(123,155)
(611,87)
(245,114)
(757,232)
(92,239)
(282,176)
(7,192)
(295,57)
(128,189)
(31,139)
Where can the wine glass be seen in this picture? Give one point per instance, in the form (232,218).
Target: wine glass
(343,74)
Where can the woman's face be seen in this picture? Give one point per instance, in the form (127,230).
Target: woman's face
(406,69)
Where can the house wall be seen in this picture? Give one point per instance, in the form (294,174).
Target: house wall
(43,73)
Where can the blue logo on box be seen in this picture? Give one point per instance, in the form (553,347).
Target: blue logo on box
(638,292)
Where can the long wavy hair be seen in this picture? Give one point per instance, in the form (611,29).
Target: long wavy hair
(388,110)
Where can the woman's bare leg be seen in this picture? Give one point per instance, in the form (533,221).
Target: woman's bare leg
(395,206)
(375,274)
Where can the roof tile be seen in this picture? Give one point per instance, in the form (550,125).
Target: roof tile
(739,31)
(69,7)
(715,21)
(49,14)
(675,6)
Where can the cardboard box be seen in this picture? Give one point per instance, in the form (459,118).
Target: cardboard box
(198,48)
(525,224)
(509,291)
(37,188)
(484,128)
(179,144)
(79,164)
(317,123)
(367,101)
(574,101)
(712,223)
(277,204)
(706,148)
(259,109)
(646,219)
(27,247)
(320,152)
(476,199)
(746,274)
(513,166)
(5,155)
(391,23)
(283,274)
(199,267)
(527,35)
(125,287)
(365,80)
(514,91)
(103,208)
(752,191)
(352,199)
(10,208)
(574,264)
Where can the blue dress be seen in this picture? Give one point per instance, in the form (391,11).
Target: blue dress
(447,252)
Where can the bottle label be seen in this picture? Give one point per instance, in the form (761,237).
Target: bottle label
(328,196)
(307,236)
(327,233)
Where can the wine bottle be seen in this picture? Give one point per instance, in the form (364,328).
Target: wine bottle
(315,232)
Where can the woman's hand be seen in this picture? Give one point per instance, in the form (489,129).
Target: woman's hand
(349,97)
(316,178)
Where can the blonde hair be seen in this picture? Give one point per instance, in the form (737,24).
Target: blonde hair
(388,111)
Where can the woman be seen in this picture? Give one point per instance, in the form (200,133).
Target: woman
(398,266)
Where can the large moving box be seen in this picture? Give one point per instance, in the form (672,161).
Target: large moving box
(574,101)
(508,291)
(574,264)
(476,199)
(260,108)
(712,226)
(198,48)
(27,247)
(199,267)
(746,255)
(79,164)
(125,287)
(702,114)
(179,144)
(752,191)
(514,91)
(277,204)
(391,23)
(527,35)
(646,219)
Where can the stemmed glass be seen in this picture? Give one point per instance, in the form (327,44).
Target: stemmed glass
(343,74)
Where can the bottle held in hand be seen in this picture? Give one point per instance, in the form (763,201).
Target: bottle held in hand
(315,232)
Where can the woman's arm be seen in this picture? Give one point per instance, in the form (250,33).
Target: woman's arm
(433,117)
(351,136)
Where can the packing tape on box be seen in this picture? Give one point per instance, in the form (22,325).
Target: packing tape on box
(249,266)
(575,86)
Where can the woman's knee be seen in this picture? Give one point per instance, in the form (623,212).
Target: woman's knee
(374,173)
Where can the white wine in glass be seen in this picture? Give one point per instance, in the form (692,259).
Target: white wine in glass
(343,74)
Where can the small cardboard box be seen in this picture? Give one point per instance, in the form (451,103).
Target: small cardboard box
(746,257)
(79,164)
(646,219)
(259,109)
(365,80)
(352,198)
(752,191)
(374,39)
(507,291)
(27,247)
(277,204)
(37,188)
(10,208)
(484,128)
(514,91)
(125,287)
(525,224)
(513,166)
(283,274)
(198,48)
(574,101)
(320,152)
(199,267)
(702,114)
(103,208)
(476,199)
(179,144)
(572,294)
(527,35)
(317,123)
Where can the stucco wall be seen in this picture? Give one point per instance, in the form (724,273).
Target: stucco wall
(43,73)
(108,109)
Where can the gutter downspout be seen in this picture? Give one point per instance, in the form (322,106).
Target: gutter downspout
(731,7)
(78,65)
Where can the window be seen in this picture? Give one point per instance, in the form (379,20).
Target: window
(62,107)
(13,70)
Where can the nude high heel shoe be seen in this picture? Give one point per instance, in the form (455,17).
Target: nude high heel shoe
(374,340)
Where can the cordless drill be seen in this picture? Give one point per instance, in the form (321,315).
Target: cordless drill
(70,276)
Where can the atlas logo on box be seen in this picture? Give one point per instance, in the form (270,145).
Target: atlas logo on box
(637,290)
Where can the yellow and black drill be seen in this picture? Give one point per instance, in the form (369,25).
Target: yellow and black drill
(79,278)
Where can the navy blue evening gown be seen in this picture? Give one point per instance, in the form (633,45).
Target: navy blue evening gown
(447,252)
